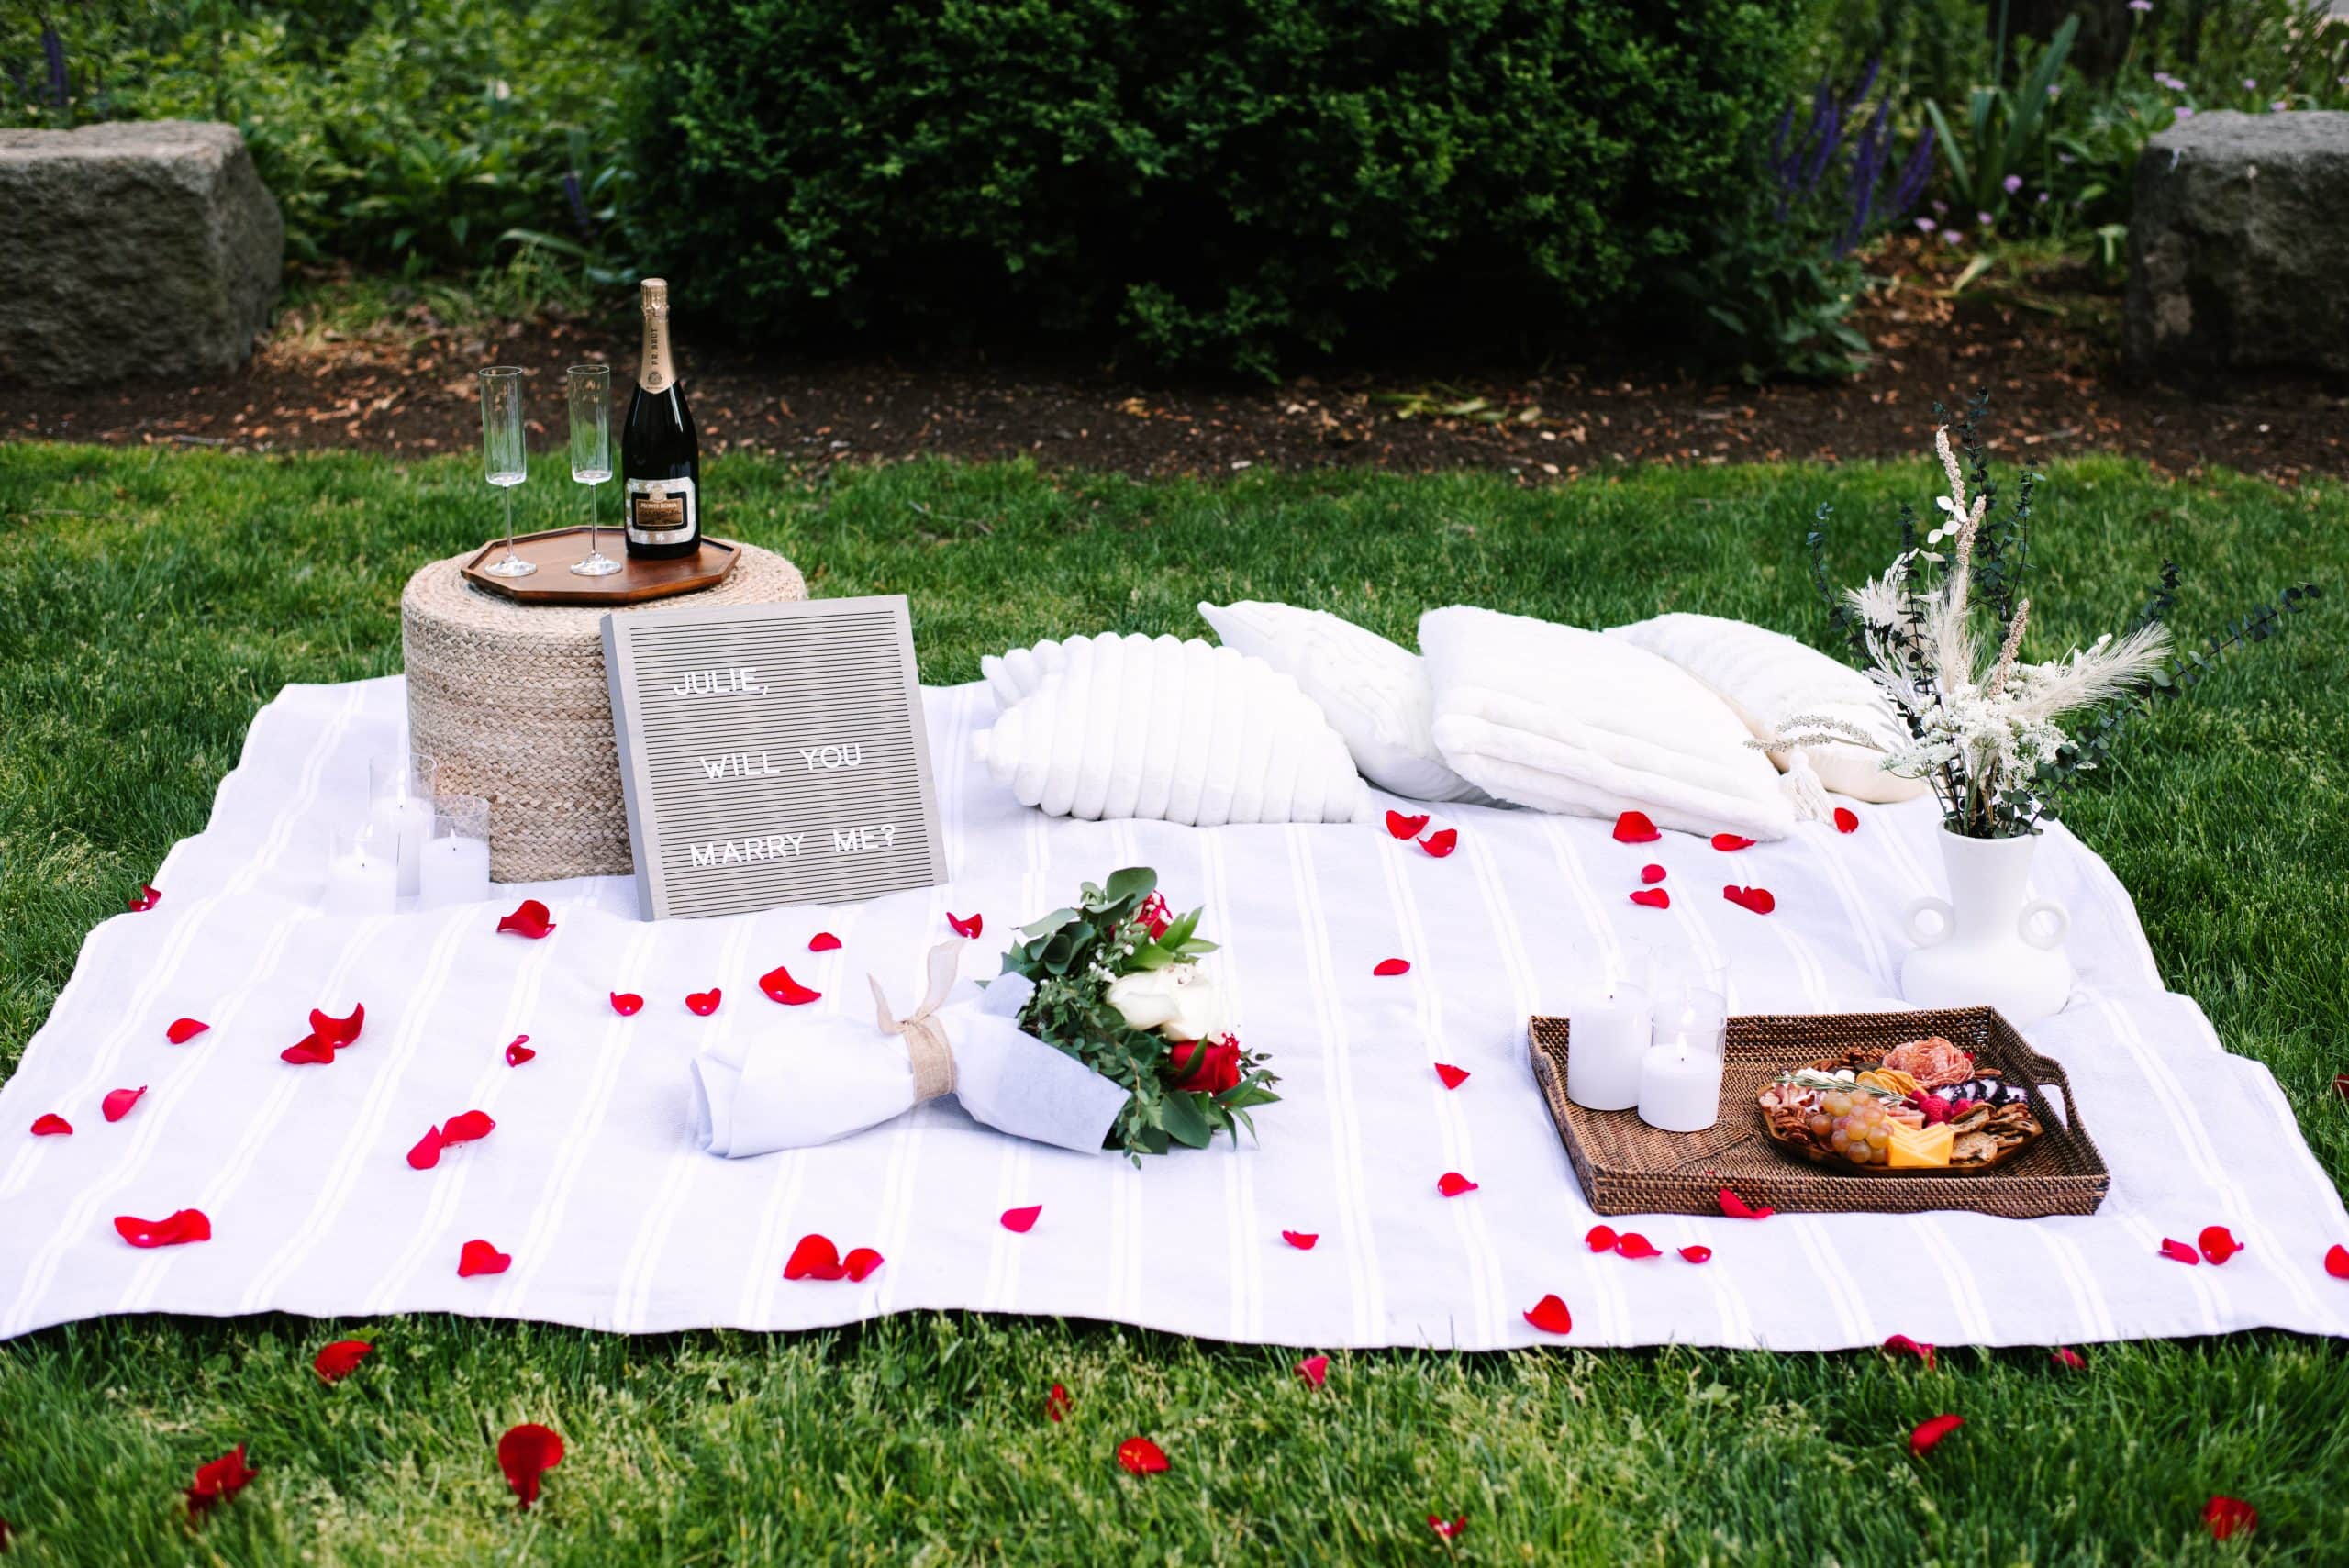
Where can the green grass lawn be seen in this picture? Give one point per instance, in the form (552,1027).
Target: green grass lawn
(150,602)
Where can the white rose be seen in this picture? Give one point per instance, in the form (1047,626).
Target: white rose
(1182,1002)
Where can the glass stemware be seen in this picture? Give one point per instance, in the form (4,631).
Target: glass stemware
(504,459)
(590,390)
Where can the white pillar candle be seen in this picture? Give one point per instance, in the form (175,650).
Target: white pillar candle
(402,823)
(1606,1037)
(1680,1088)
(361,881)
(452,869)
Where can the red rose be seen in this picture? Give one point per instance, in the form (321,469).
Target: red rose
(1155,915)
(1208,1067)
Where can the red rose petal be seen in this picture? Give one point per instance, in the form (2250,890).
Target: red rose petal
(1452,1077)
(117,1103)
(1633,827)
(1303,1241)
(1698,1254)
(1601,1238)
(184,1029)
(146,898)
(530,918)
(1314,1370)
(1391,966)
(308,1052)
(335,1033)
(1653,874)
(1056,1403)
(2218,1243)
(1442,843)
(1403,826)
(1757,899)
(1451,1183)
(1901,1344)
(526,1454)
(2337,1257)
(1928,1434)
(1635,1246)
(2068,1359)
(701,1003)
(1447,1527)
(222,1478)
(2341,1084)
(823,942)
(814,1258)
(1021,1220)
(1139,1456)
(517,1052)
(426,1151)
(1726,842)
(467,1126)
(174,1230)
(2179,1253)
(966,925)
(478,1257)
(626,1004)
(780,988)
(1846,819)
(1651,899)
(341,1359)
(2225,1516)
(1736,1207)
(859,1262)
(1550,1316)
(48,1124)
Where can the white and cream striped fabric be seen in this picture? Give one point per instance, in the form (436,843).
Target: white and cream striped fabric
(591,1182)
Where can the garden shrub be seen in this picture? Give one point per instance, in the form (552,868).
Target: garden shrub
(1217,183)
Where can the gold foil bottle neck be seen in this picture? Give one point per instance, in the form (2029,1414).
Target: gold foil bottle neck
(656,295)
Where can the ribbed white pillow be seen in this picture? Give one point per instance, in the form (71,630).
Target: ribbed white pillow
(1175,731)
(1374,691)
(1768,677)
(1563,719)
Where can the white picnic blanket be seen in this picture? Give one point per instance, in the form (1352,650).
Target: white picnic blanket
(592,1183)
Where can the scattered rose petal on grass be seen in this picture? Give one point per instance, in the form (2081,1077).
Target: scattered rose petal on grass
(823,942)
(48,1124)
(2337,1257)
(814,1258)
(1314,1370)
(1302,1241)
(1697,1254)
(517,1050)
(1729,842)
(1056,1404)
(339,1360)
(222,1478)
(1403,826)
(1902,1345)
(174,1230)
(1021,1220)
(530,918)
(859,1262)
(1601,1238)
(2068,1359)
(701,1003)
(1451,1183)
(1441,844)
(2341,1084)
(1139,1456)
(1633,827)
(337,1033)
(2224,1516)
(2179,1253)
(117,1103)
(2218,1243)
(426,1151)
(626,1004)
(966,925)
(1634,1245)
(1447,1527)
(1736,1207)
(1758,899)
(184,1029)
(146,898)
(1388,967)
(780,988)
(526,1454)
(1550,1316)
(1452,1077)
(1928,1434)
(1846,819)
(478,1257)
(467,1126)
(1653,874)
(1651,899)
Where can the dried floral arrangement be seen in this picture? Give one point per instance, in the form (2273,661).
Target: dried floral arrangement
(1942,633)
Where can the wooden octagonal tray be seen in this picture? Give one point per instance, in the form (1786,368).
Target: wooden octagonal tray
(637,581)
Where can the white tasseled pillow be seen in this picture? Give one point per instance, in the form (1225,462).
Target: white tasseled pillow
(1176,731)
(1374,693)
(1768,677)
(1564,719)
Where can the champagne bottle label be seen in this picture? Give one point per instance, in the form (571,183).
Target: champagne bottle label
(662,511)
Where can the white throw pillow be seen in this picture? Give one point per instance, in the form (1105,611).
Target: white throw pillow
(1568,720)
(1768,677)
(1175,731)
(1374,693)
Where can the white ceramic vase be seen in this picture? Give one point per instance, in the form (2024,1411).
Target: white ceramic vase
(1989,942)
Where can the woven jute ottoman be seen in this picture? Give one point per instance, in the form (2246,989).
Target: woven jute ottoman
(510,699)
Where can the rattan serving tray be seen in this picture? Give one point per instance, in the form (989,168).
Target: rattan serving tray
(1627,1167)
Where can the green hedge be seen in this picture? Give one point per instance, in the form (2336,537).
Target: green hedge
(1196,182)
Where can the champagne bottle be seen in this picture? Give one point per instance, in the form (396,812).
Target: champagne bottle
(660,457)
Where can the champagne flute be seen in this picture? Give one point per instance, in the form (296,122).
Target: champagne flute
(504,459)
(590,387)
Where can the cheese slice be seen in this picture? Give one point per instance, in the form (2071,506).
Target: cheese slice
(1919,1147)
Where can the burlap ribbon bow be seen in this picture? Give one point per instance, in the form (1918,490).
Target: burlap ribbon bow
(925,1047)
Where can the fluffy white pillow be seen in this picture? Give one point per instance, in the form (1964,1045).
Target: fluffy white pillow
(1768,677)
(1137,726)
(1374,693)
(1568,720)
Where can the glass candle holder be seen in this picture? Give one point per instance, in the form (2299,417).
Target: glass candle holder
(1607,1031)
(399,808)
(362,872)
(454,866)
